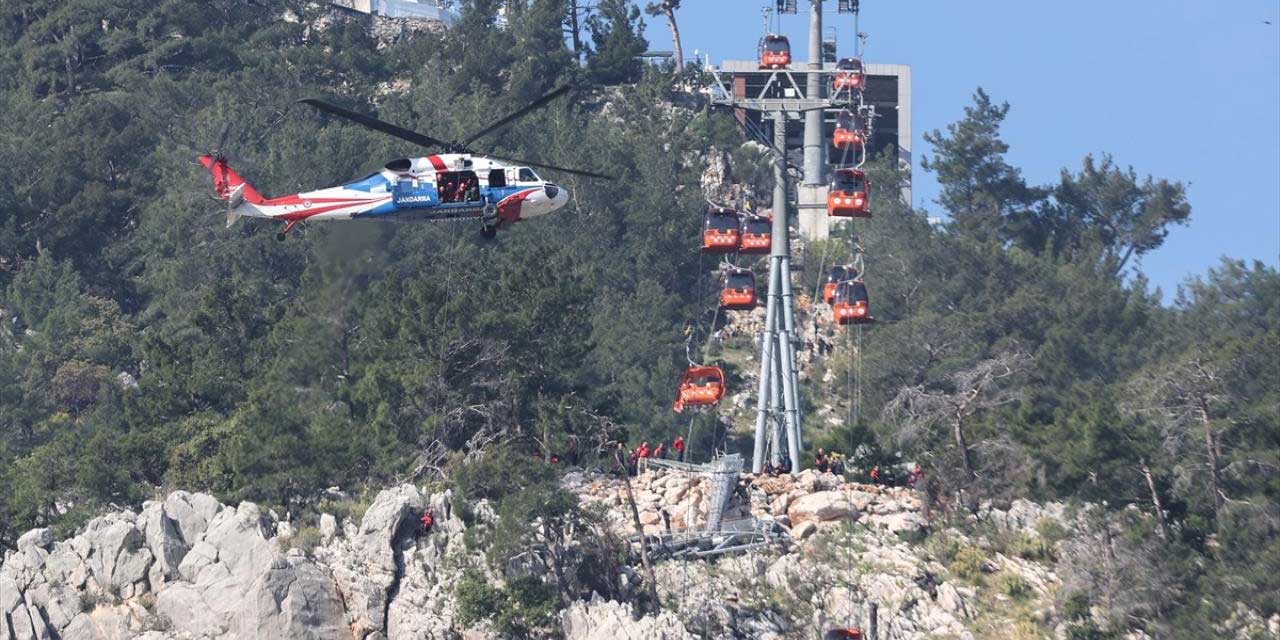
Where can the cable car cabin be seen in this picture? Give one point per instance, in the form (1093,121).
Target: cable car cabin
(849,196)
(700,387)
(851,305)
(847,633)
(738,290)
(720,233)
(757,234)
(775,52)
(837,274)
(851,131)
(849,75)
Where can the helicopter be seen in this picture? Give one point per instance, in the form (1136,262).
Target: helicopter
(458,183)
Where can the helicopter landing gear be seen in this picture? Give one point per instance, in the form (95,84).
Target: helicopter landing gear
(489,231)
(280,236)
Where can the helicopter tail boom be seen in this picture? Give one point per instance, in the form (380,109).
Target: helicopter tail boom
(228,184)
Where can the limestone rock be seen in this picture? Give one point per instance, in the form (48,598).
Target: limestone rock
(39,538)
(328,527)
(609,620)
(822,506)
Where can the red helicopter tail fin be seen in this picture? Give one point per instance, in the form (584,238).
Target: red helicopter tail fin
(226,181)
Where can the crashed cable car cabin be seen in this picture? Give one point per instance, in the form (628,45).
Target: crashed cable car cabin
(837,274)
(849,75)
(700,387)
(850,131)
(738,290)
(720,233)
(851,305)
(849,196)
(756,235)
(775,52)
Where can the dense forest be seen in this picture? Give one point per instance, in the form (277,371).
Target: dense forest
(144,346)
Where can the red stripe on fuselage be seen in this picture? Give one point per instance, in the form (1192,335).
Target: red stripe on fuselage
(437,163)
(340,203)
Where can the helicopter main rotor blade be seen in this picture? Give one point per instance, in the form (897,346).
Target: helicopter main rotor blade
(543,165)
(376,124)
(520,113)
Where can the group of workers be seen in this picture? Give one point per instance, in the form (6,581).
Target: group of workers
(661,451)
(833,462)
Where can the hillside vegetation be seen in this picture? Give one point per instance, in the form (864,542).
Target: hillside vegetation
(144,347)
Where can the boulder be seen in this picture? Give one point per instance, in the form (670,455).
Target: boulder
(609,620)
(292,599)
(804,530)
(822,506)
(192,513)
(200,556)
(328,527)
(163,539)
(38,538)
(369,569)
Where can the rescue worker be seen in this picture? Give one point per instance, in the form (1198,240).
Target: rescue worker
(660,451)
(820,460)
(678,447)
(837,466)
(875,474)
(915,475)
(428,519)
(643,451)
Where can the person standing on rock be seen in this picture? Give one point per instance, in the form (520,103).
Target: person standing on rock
(660,451)
(678,447)
(820,460)
(875,474)
(428,520)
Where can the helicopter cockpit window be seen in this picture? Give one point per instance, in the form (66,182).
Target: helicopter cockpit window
(527,175)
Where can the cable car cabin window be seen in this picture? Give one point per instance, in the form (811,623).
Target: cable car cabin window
(844,120)
(849,64)
(527,175)
(497,178)
(723,221)
(851,292)
(708,380)
(777,44)
(758,226)
(850,183)
(458,186)
(740,280)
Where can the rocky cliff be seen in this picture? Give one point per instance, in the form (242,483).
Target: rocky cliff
(189,567)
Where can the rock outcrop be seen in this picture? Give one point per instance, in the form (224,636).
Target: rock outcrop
(190,568)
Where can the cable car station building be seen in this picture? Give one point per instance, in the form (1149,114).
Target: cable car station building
(888,90)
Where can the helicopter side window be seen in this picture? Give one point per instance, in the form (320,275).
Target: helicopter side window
(497,178)
(458,186)
(527,175)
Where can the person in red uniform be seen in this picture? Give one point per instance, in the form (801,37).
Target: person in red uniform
(428,519)
(875,474)
(660,451)
(678,447)
(643,451)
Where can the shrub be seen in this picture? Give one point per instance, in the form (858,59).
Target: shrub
(968,563)
(1031,547)
(306,539)
(1013,585)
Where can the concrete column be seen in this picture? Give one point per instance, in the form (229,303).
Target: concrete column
(813,146)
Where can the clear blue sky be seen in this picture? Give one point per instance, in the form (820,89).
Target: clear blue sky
(1178,89)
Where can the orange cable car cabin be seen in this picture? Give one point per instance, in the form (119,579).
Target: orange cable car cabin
(700,386)
(775,52)
(757,232)
(850,195)
(738,290)
(836,275)
(720,232)
(851,305)
(849,75)
(850,132)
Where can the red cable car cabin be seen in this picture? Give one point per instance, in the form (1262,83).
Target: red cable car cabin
(756,235)
(699,387)
(850,131)
(851,305)
(847,633)
(720,233)
(738,290)
(835,276)
(775,52)
(849,196)
(849,75)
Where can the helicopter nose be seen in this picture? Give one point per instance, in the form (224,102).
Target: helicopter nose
(551,190)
